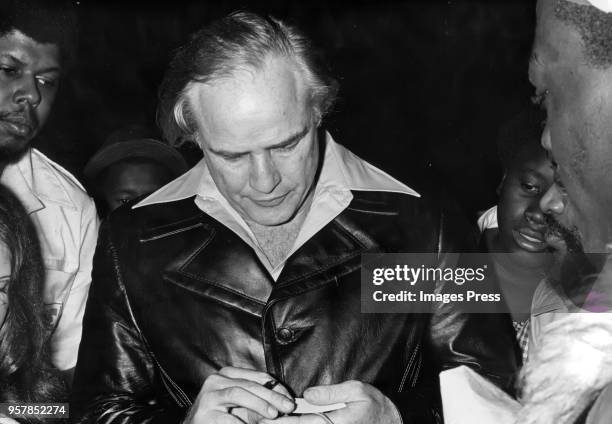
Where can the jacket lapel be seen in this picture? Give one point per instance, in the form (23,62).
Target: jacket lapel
(331,253)
(213,262)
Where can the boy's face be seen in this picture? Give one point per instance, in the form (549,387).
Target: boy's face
(125,181)
(521,221)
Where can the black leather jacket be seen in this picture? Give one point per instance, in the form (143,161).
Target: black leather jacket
(176,296)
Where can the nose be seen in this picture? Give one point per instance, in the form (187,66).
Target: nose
(264,176)
(553,201)
(27,92)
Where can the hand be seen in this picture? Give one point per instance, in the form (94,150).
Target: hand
(365,404)
(236,396)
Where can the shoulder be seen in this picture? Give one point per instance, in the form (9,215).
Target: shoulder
(547,306)
(546,299)
(156,220)
(387,203)
(432,222)
(54,184)
(488,219)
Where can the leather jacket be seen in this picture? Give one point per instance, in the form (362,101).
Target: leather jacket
(176,296)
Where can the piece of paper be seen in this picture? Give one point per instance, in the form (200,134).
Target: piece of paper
(305,407)
(469,398)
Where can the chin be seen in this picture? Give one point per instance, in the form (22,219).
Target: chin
(271,219)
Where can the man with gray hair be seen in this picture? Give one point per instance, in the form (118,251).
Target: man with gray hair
(234,291)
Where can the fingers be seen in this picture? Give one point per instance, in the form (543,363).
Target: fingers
(246,374)
(348,391)
(256,376)
(277,400)
(237,396)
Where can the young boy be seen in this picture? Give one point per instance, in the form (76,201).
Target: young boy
(514,230)
(129,165)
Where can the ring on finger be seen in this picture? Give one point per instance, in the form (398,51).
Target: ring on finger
(271,384)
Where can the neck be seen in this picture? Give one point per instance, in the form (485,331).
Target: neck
(277,241)
(10,157)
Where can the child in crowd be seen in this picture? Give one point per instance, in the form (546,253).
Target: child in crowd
(131,164)
(514,230)
(26,372)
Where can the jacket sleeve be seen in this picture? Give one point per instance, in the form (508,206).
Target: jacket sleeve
(482,341)
(420,403)
(116,378)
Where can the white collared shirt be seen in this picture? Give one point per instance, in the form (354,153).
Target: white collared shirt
(341,172)
(488,219)
(67,225)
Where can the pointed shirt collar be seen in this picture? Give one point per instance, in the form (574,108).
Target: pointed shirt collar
(33,179)
(341,172)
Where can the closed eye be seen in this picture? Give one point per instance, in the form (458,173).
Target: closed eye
(232,157)
(558,182)
(288,147)
(8,70)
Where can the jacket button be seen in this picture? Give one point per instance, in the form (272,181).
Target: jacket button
(285,335)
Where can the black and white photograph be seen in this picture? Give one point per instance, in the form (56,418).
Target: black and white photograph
(306,212)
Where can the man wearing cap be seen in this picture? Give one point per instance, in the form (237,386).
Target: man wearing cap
(33,46)
(571,70)
(130,164)
(235,289)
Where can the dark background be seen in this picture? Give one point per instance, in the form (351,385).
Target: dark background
(424,86)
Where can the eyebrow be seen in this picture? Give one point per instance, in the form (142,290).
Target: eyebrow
(288,141)
(22,63)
